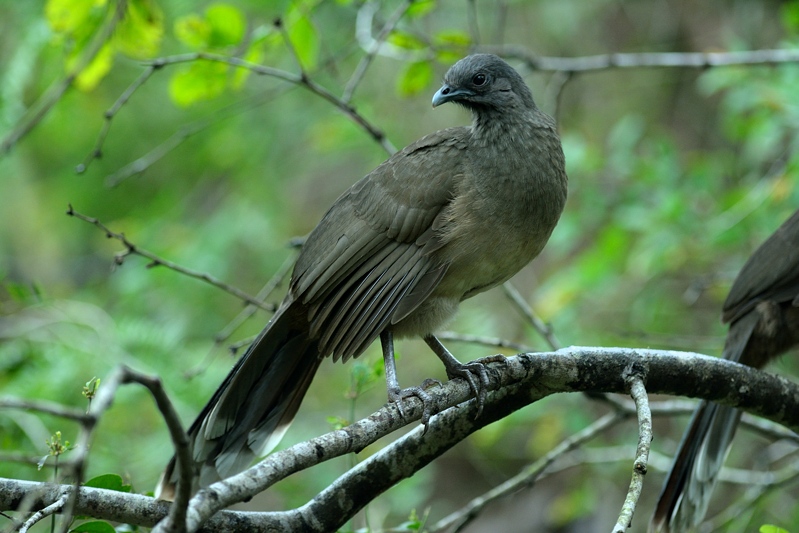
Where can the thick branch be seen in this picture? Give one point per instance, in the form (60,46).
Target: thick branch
(521,381)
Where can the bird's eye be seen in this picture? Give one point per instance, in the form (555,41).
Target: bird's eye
(479,79)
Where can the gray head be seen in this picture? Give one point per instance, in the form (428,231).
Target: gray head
(484,82)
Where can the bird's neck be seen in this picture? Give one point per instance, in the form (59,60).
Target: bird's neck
(503,130)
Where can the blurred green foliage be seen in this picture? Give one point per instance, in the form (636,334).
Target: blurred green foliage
(676,175)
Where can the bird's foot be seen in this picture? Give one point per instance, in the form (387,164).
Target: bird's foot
(396,396)
(475,369)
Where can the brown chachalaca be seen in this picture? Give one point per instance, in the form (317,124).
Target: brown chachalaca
(450,216)
(762,310)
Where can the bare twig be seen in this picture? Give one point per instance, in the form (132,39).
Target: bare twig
(144,162)
(246,313)
(109,115)
(41,514)
(555,90)
(474,27)
(297,79)
(638,393)
(57,90)
(133,249)
(44,407)
(527,477)
(539,325)
(100,404)
(732,514)
(366,12)
(485,341)
(646,60)
(266,291)
(180,441)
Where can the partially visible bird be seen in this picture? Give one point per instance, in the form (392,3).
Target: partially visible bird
(762,309)
(452,215)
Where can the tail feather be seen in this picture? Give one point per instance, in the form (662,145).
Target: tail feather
(686,493)
(255,404)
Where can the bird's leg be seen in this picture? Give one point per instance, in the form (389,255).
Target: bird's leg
(395,394)
(468,371)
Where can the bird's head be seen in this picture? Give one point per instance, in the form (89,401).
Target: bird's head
(484,82)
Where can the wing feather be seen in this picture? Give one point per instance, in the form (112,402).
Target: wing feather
(382,264)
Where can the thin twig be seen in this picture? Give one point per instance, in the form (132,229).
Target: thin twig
(601,62)
(133,249)
(527,477)
(375,43)
(238,320)
(485,341)
(555,90)
(43,513)
(182,134)
(109,115)
(265,292)
(540,326)
(732,514)
(638,393)
(474,27)
(180,441)
(44,407)
(144,162)
(22,458)
(297,79)
(57,90)
(100,404)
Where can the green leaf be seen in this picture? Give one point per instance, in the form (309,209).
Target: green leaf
(303,37)
(451,45)
(414,78)
(406,40)
(67,16)
(95,71)
(227,25)
(203,80)
(108,482)
(140,32)
(193,31)
(421,8)
(97,526)
(772,529)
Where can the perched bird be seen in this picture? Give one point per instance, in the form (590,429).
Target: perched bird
(763,312)
(452,215)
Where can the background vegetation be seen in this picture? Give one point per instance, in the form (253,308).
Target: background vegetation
(676,175)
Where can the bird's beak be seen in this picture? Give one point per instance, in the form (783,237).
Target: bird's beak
(448,93)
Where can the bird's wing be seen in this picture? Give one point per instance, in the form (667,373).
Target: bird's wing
(368,261)
(771,273)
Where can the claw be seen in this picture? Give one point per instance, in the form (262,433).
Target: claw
(468,371)
(396,396)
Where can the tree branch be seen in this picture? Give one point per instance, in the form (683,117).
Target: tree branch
(296,79)
(522,380)
(57,90)
(364,27)
(646,60)
(133,249)
(638,393)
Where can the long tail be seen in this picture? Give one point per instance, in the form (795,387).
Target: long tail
(686,493)
(255,404)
